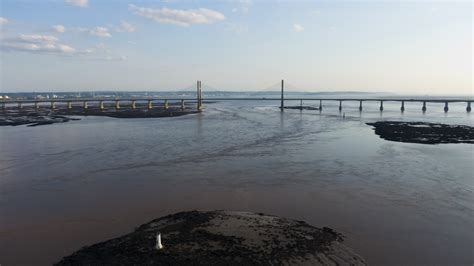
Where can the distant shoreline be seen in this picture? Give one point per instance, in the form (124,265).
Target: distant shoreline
(31,116)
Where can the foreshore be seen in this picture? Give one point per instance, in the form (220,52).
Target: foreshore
(220,238)
(31,116)
(423,132)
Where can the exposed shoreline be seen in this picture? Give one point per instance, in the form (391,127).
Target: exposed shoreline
(31,116)
(423,132)
(221,238)
(311,108)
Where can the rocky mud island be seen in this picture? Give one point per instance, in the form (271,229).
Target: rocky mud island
(422,132)
(221,238)
(31,116)
(310,108)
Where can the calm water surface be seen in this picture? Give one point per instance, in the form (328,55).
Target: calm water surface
(64,186)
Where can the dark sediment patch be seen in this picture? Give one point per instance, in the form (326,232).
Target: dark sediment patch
(301,107)
(31,116)
(221,238)
(424,133)
(32,119)
(128,112)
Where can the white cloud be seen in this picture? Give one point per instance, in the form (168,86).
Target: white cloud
(3,21)
(298,28)
(97,31)
(125,27)
(48,44)
(66,48)
(59,28)
(114,58)
(100,52)
(98,48)
(35,38)
(79,3)
(243,6)
(178,17)
(100,32)
(35,43)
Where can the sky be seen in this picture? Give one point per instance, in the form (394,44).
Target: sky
(408,47)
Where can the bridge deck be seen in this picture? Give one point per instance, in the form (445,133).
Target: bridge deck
(428,100)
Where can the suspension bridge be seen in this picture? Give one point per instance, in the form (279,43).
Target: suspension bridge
(197,101)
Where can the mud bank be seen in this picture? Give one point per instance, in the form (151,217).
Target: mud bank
(301,107)
(35,117)
(221,238)
(32,119)
(424,133)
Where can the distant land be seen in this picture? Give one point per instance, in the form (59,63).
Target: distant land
(184,93)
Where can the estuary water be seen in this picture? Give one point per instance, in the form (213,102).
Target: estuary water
(64,186)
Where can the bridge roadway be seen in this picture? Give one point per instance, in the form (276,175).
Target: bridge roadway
(165,100)
(97,99)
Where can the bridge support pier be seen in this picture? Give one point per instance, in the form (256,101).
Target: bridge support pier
(446,107)
(36,105)
(69,105)
(403,107)
(53,105)
(150,105)
(468,108)
(182,104)
(85,105)
(134,106)
(282,103)
(320,105)
(101,105)
(198,107)
(3,106)
(340,106)
(381,106)
(117,104)
(199,96)
(424,107)
(165,105)
(360,106)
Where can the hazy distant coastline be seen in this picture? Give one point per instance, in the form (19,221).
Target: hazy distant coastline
(215,93)
(187,93)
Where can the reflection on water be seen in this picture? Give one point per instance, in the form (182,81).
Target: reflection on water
(64,186)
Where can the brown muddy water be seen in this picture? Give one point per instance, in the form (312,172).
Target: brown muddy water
(64,186)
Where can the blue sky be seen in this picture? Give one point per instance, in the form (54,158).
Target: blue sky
(395,46)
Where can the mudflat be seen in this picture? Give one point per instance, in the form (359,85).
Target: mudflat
(423,132)
(31,116)
(221,238)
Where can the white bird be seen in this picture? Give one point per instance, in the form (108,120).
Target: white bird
(158,242)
